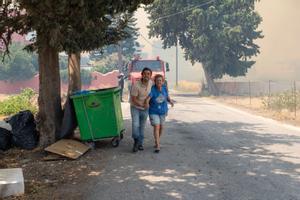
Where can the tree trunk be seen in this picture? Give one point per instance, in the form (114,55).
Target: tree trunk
(69,121)
(49,101)
(74,72)
(212,88)
(120,60)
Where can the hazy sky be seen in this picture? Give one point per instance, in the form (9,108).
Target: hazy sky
(280,54)
(152,47)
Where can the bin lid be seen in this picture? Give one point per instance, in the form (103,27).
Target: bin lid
(91,92)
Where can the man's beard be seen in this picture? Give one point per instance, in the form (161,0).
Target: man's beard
(146,79)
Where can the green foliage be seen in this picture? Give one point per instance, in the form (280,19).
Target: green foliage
(107,64)
(86,77)
(71,26)
(219,34)
(64,25)
(281,101)
(17,103)
(127,47)
(20,65)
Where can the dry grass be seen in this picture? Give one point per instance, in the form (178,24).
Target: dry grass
(188,86)
(256,106)
(253,103)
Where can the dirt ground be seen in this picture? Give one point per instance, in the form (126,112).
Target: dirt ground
(44,178)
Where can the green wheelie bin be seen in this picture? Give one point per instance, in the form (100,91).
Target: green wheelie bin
(99,115)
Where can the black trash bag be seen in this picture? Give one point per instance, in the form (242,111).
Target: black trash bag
(24,133)
(69,122)
(5,139)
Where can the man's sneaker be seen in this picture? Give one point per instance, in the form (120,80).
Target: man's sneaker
(135,147)
(140,147)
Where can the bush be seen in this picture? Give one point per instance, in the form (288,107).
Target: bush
(17,103)
(281,101)
(107,64)
(105,68)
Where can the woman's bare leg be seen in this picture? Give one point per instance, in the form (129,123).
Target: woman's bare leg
(160,130)
(156,132)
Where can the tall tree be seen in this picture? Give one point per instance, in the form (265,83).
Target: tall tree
(19,65)
(74,83)
(125,48)
(220,34)
(54,22)
(107,31)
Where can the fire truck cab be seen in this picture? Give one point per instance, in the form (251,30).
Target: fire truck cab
(136,66)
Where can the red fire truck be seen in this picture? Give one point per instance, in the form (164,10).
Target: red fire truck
(136,66)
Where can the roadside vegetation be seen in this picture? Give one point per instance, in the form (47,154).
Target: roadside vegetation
(188,86)
(287,100)
(283,106)
(16,103)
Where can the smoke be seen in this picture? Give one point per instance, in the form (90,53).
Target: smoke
(280,54)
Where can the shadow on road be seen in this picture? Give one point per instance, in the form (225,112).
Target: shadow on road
(259,164)
(202,160)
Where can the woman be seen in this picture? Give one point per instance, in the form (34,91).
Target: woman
(158,108)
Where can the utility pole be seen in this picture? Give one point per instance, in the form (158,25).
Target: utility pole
(177,63)
(119,48)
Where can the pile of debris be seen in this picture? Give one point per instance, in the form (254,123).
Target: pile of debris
(19,131)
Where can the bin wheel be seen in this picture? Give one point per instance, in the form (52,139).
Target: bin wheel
(91,144)
(122,134)
(115,142)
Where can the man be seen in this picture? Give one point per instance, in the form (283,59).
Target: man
(121,85)
(139,108)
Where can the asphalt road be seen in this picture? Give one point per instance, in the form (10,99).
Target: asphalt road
(209,151)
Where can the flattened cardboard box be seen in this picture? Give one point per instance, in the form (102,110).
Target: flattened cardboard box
(68,148)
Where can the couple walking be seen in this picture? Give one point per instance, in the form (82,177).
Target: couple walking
(148,99)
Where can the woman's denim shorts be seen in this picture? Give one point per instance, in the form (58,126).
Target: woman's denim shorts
(157,119)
